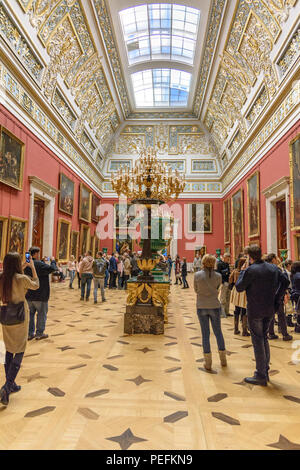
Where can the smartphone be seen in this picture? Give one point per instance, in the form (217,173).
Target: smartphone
(27,257)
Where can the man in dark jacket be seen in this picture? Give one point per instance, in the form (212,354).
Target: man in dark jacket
(38,299)
(264,284)
(113,269)
(282,323)
(223,268)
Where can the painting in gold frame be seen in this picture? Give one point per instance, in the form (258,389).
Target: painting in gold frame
(85,239)
(201,251)
(85,203)
(17,235)
(297,247)
(3,236)
(253,206)
(12,152)
(237,214)
(63,240)
(122,244)
(95,205)
(295,182)
(227,231)
(74,243)
(66,194)
(195,213)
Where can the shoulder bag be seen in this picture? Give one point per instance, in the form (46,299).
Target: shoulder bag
(12,314)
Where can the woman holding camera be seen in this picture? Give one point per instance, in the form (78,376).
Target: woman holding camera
(13,288)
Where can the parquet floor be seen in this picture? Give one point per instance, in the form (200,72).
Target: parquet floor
(90,387)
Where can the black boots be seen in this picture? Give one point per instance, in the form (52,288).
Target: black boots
(256,380)
(245,326)
(11,371)
(236,325)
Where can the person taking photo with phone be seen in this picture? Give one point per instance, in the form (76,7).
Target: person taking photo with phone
(13,287)
(38,300)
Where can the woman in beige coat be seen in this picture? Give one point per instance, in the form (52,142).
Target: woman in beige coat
(239,300)
(13,287)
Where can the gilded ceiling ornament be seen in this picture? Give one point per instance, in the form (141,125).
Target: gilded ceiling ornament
(63,50)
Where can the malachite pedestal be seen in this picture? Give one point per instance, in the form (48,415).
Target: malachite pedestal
(146,308)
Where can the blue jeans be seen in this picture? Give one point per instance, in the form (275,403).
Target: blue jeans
(42,309)
(72,276)
(86,280)
(259,328)
(98,282)
(106,278)
(214,315)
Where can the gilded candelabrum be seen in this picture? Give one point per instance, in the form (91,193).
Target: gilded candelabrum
(149,182)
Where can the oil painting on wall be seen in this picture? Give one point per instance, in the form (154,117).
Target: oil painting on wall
(200,218)
(85,239)
(17,235)
(11,159)
(66,195)
(74,244)
(85,204)
(237,223)
(3,234)
(295,182)
(63,240)
(226,208)
(253,205)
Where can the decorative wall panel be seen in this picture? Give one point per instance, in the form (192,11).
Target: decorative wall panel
(291,53)
(16,40)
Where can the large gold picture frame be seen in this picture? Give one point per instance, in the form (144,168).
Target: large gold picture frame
(17,235)
(85,239)
(237,218)
(253,205)
(227,228)
(63,240)
(12,154)
(74,243)
(297,246)
(3,236)
(294,147)
(85,203)
(66,194)
(208,228)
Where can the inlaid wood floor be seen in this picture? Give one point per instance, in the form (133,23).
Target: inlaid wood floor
(89,386)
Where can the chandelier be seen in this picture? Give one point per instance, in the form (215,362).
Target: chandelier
(148,180)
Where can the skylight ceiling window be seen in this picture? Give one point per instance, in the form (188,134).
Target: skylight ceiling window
(160,31)
(161,88)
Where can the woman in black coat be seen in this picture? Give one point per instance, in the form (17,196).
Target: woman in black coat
(184,274)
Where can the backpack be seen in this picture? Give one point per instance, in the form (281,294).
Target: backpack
(99,268)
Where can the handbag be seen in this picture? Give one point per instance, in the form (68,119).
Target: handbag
(12,314)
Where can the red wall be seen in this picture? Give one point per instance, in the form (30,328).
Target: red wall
(41,162)
(273,166)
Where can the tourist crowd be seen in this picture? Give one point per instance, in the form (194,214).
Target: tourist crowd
(258,287)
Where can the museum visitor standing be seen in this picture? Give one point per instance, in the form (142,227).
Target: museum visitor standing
(13,287)
(38,299)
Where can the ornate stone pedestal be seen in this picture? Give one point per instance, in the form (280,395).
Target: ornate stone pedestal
(146,307)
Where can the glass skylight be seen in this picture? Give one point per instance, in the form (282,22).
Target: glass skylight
(161,88)
(160,31)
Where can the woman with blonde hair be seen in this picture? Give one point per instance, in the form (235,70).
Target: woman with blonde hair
(13,288)
(206,285)
(239,300)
